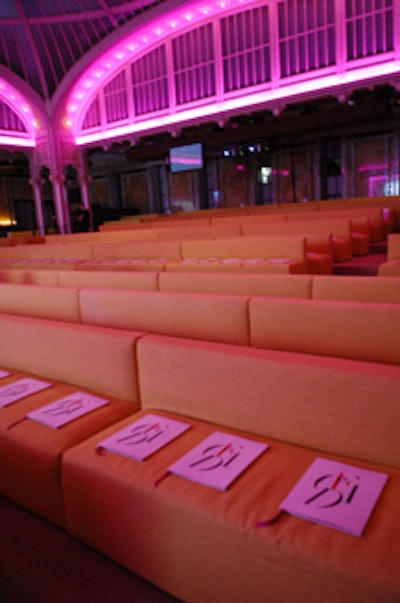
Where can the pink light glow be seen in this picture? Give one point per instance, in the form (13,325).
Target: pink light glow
(281,172)
(22,108)
(372,167)
(17,141)
(137,44)
(271,95)
(288,90)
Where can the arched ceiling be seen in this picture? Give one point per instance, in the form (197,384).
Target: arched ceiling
(41,40)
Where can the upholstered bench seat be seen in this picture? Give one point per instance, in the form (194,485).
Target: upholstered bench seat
(71,357)
(30,453)
(390,269)
(201,544)
(191,540)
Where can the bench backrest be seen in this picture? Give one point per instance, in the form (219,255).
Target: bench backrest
(268,247)
(357,288)
(49,251)
(29,277)
(393,247)
(102,360)
(137,249)
(208,317)
(332,405)
(110,279)
(312,226)
(42,301)
(362,331)
(275,285)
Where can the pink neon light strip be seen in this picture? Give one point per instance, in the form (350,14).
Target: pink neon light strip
(289,91)
(123,53)
(22,108)
(17,141)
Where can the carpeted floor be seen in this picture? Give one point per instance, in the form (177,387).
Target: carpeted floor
(366,265)
(362,266)
(40,563)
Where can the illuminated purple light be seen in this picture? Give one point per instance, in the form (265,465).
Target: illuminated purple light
(22,108)
(113,61)
(372,167)
(281,172)
(259,99)
(17,141)
(383,185)
(115,58)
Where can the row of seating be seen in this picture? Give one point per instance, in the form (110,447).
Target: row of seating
(294,242)
(317,379)
(269,253)
(378,209)
(310,250)
(329,287)
(365,330)
(274,358)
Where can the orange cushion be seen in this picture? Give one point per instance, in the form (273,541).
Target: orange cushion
(205,316)
(298,398)
(203,545)
(360,331)
(30,453)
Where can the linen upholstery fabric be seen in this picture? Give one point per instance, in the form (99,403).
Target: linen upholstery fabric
(111,280)
(166,221)
(96,358)
(133,231)
(188,230)
(45,250)
(203,545)
(54,302)
(360,243)
(339,228)
(206,265)
(335,238)
(342,248)
(211,317)
(124,265)
(392,266)
(29,277)
(235,265)
(267,247)
(393,246)
(389,269)
(319,263)
(310,225)
(363,331)
(137,249)
(278,266)
(30,453)
(356,288)
(298,398)
(237,284)
(48,263)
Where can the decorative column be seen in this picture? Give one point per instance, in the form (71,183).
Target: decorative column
(37,187)
(36,181)
(60,203)
(84,180)
(62,157)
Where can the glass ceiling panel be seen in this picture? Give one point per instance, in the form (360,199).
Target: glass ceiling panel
(8,10)
(40,40)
